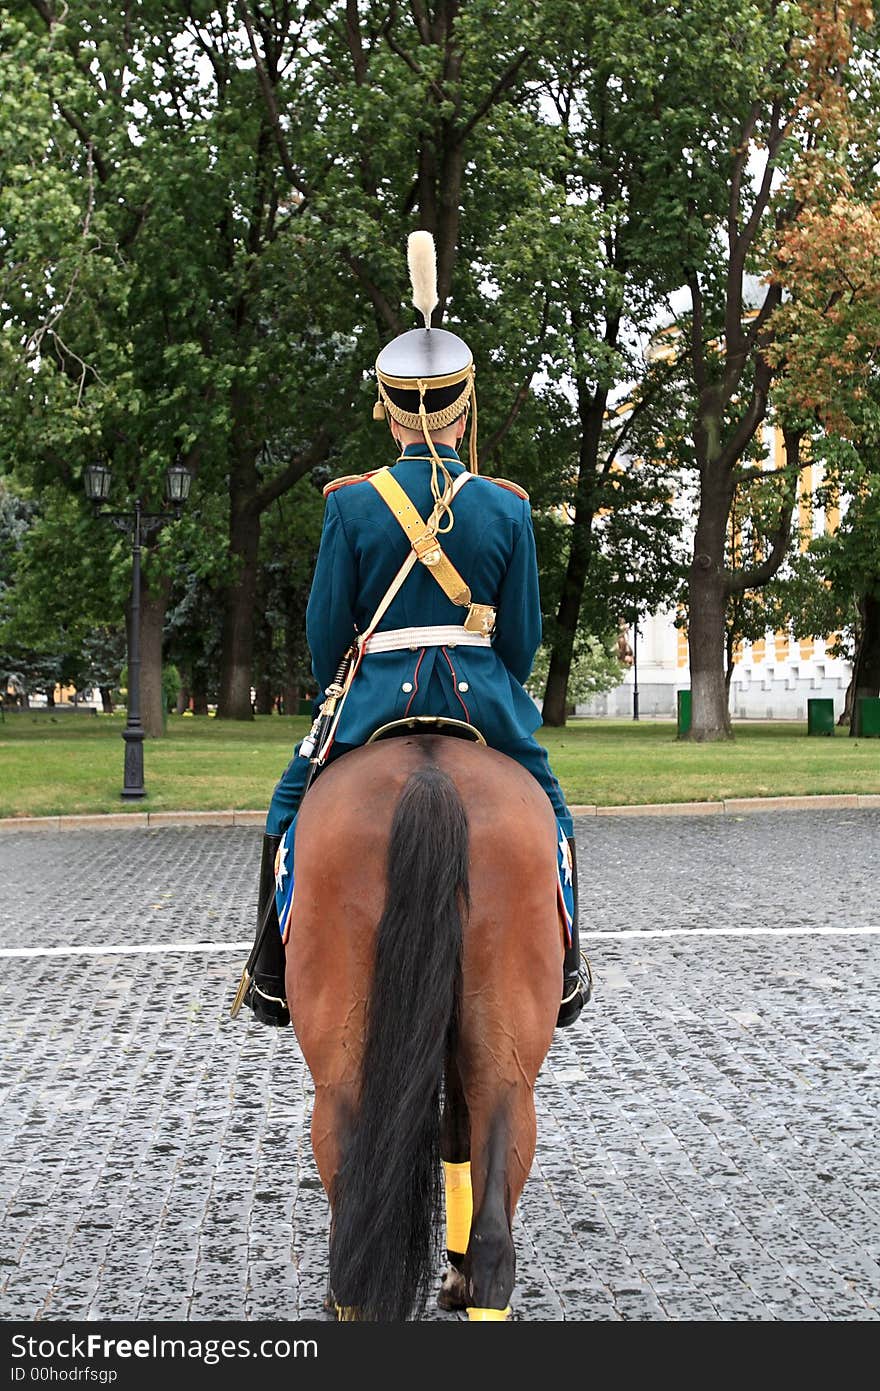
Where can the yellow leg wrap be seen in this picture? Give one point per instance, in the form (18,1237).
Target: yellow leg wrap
(347,1313)
(493,1315)
(459,1205)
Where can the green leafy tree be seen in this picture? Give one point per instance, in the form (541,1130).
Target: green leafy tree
(636,117)
(827,332)
(290,541)
(596,668)
(167,305)
(784,141)
(844,573)
(53,600)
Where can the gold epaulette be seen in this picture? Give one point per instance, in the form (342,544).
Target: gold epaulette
(344,482)
(506,483)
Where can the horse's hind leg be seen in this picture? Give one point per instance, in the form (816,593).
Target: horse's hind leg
(455,1149)
(331,1122)
(502,1150)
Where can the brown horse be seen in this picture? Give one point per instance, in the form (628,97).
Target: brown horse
(424,966)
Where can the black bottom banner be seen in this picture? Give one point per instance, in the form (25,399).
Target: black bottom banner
(127,1356)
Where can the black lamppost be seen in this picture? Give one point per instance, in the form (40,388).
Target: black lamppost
(138,525)
(636,664)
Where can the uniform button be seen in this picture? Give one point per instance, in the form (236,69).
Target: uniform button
(463,686)
(407,686)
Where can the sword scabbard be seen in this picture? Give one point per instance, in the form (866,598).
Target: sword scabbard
(240,992)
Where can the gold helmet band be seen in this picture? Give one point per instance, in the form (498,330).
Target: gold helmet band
(424,419)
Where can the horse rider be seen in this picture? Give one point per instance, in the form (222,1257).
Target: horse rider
(427,649)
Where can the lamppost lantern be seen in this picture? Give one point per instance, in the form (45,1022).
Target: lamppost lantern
(97,479)
(137,524)
(178,481)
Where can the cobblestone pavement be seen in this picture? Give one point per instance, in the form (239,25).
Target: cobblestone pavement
(707,1132)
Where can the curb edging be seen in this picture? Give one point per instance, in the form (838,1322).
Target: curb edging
(731,806)
(736,806)
(132,820)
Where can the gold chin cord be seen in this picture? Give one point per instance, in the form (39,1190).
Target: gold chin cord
(442,511)
(442,498)
(473,461)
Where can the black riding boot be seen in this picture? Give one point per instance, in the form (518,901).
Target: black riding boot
(576,990)
(265,993)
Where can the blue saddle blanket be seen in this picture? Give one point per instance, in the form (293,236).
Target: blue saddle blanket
(284,880)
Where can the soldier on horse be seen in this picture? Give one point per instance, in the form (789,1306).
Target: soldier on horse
(426,586)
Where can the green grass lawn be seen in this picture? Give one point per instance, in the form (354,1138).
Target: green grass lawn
(69,763)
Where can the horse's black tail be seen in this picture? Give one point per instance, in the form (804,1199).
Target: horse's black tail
(387,1195)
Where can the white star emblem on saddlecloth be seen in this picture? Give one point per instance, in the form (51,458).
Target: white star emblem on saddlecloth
(281,867)
(565,850)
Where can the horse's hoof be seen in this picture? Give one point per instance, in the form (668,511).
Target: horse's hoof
(453,1293)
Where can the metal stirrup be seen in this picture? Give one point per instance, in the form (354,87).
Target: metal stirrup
(277,998)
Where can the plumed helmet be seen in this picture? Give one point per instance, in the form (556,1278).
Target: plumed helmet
(426,376)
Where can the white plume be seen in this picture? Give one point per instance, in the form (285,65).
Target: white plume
(422,257)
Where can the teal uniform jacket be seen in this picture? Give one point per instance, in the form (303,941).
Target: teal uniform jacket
(363,546)
(491,544)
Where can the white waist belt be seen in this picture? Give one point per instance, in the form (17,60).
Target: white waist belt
(452,635)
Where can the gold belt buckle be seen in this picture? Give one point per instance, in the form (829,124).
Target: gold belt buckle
(427,549)
(480,619)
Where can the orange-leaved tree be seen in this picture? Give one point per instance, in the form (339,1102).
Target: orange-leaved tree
(825,343)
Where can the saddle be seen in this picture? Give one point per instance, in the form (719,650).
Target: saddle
(428,724)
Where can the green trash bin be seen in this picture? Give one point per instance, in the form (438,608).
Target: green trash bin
(820,716)
(868,717)
(684,712)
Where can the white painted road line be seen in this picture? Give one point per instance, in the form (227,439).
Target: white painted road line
(138,948)
(738,932)
(195,948)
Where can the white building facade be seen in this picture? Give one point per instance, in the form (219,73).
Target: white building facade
(772,679)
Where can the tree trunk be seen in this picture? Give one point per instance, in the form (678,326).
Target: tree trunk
(154,601)
(297,683)
(849,700)
(710,716)
(555,704)
(50,698)
(732,619)
(866,670)
(106,699)
(236,662)
(591,411)
(263,684)
(707,603)
(182,699)
(199,697)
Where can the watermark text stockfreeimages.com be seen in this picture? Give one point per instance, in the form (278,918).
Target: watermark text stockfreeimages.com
(44,1350)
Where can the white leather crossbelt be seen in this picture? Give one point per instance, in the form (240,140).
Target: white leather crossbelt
(449,635)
